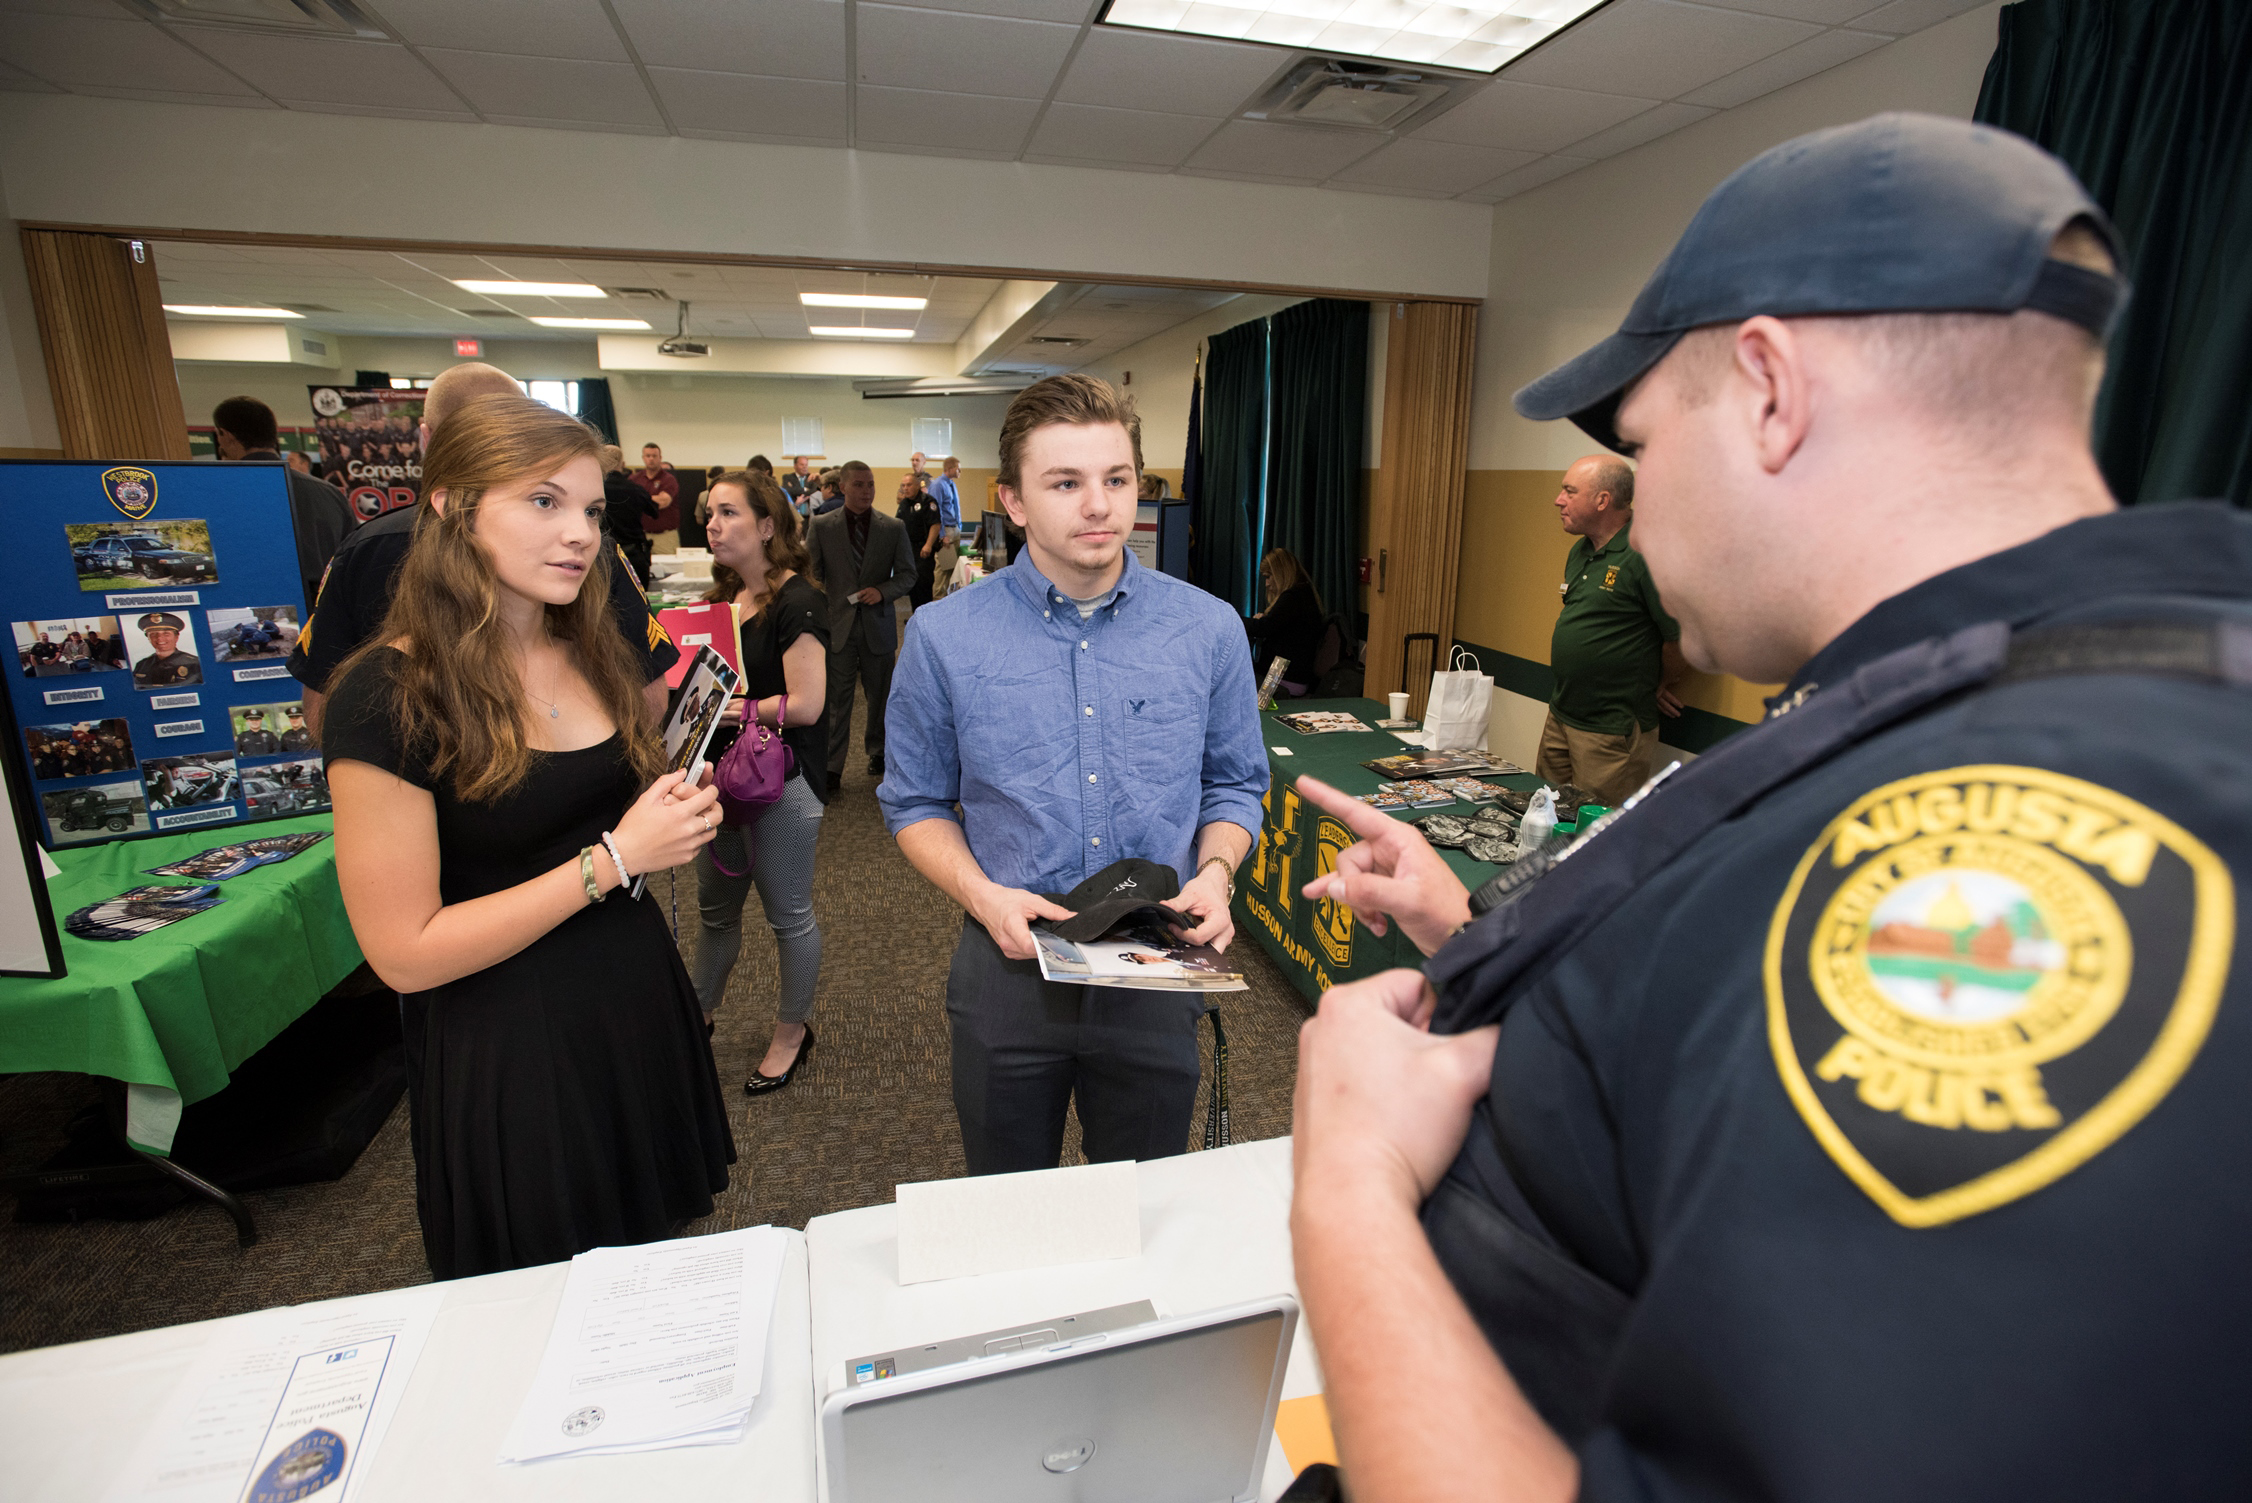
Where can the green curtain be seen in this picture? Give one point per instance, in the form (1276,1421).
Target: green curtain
(595,408)
(2150,102)
(1314,462)
(1227,501)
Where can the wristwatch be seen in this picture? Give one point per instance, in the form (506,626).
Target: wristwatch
(1225,870)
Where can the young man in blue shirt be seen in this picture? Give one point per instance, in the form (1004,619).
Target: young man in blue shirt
(1079,709)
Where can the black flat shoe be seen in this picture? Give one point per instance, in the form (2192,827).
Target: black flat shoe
(760,1085)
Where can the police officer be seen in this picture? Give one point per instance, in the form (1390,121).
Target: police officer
(255,740)
(1842,1120)
(296,738)
(165,665)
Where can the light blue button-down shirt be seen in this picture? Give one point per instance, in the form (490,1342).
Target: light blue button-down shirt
(949,502)
(1070,743)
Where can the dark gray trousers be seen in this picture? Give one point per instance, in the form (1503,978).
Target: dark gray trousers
(852,659)
(1024,1047)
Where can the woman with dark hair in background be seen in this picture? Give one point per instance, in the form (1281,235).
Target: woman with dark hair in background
(1290,627)
(626,509)
(759,566)
(497,781)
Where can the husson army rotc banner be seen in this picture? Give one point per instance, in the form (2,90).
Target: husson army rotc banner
(1316,943)
(370,445)
(153,607)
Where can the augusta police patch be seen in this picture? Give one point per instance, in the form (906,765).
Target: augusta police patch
(1979,978)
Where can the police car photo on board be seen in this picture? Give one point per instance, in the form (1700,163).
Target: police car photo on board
(161,647)
(96,812)
(247,633)
(116,555)
(68,646)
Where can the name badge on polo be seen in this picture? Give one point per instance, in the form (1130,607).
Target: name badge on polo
(1980,978)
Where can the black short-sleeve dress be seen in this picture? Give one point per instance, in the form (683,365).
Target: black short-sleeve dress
(564,1098)
(797,610)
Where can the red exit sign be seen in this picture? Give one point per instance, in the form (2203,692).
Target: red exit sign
(469,347)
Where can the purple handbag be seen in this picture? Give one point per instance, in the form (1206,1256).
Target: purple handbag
(750,777)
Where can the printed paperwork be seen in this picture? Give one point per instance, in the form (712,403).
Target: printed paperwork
(289,1403)
(996,1223)
(654,1346)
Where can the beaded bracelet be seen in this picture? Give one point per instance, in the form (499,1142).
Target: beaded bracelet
(617,858)
(586,875)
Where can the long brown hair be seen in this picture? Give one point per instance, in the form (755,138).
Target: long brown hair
(459,699)
(785,550)
(1283,573)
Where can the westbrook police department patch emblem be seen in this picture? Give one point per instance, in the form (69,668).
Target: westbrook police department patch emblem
(1978,979)
(131,490)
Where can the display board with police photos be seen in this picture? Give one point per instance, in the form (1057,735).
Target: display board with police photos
(153,609)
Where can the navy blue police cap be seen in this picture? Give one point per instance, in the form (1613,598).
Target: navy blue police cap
(1899,213)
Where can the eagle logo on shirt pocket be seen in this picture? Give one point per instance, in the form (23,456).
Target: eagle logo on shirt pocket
(1164,736)
(1981,978)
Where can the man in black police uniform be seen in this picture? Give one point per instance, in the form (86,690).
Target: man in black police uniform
(165,665)
(296,738)
(1851,1117)
(356,591)
(255,740)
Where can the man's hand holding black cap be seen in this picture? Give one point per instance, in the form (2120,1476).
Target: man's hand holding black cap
(1900,213)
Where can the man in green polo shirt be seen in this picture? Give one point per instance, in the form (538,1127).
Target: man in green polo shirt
(1614,652)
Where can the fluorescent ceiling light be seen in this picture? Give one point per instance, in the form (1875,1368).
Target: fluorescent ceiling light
(854,332)
(861,300)
(592,323)
(531,289)
(206,310)
(1479,36)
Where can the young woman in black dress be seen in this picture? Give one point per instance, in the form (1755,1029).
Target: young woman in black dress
(495,780)
(758,566)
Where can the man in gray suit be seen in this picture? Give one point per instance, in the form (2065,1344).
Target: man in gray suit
(864,562)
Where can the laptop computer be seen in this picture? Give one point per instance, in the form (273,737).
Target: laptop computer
(1179,1410)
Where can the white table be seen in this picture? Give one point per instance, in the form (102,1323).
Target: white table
(1215,1231)
(68,1414)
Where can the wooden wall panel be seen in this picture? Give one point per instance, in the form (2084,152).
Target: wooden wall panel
(109,360)
(1416,520)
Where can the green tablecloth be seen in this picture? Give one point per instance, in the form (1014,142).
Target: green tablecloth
(173,1012)
(1318,944)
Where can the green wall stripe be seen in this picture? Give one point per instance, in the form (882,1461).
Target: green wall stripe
(1696,731)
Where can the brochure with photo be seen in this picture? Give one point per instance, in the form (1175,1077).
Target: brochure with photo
(1320,722)
(694,716)
(224,861)
(1433,765)
(139,911)
(1421,795)
(1384,798)
(1141,957)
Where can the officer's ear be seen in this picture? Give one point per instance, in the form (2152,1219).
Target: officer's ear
(1777,389)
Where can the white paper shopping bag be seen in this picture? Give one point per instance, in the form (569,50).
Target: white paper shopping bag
(1454,716)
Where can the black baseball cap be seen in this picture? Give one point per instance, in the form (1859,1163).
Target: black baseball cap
(1899,213)
(1113,895)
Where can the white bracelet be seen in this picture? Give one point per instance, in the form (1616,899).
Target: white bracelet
(610,844)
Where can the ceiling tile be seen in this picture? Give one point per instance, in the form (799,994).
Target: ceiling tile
(1070,12)
(542,28)
(1091,162)
(1657,48)
(1820,12)
(1527,117)
(1175,75)
(20,82)
(1087,132)
(1431,167)
(1902,17)
(384,111)
(1389,190)
(548,89)
(949,122)
(118,55)
(733,103)
(1303,152)
(1815,55)
(245,100)
(1628,134)
(927,49)
(1510,184)
(334,70)
(796,38)
(102,9)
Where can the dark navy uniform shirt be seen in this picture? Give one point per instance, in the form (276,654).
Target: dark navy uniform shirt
(1895,1137)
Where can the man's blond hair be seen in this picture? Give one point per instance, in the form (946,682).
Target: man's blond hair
(1981,371)
(463,383)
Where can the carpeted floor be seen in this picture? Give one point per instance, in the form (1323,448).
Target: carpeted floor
(870,1111)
